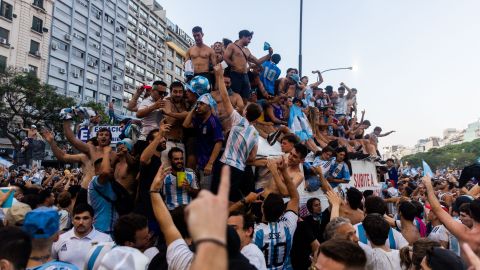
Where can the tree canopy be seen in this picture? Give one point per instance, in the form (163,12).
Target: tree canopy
(453,156)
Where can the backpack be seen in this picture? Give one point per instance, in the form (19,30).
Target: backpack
(124,202)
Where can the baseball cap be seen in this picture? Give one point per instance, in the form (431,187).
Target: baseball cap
(42,222)
(127,142)
(33,126)
(16,214)
(119,257)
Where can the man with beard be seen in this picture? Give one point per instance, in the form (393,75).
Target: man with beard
(202,56)
(209,139)
(74,245)
(237,56)
(175,112)
(180,185)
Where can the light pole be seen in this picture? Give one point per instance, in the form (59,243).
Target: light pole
(342,68)
(300,41)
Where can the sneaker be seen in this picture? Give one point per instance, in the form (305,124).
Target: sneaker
(272,137)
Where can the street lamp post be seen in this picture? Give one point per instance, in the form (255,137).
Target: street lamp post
(343,68)
(300,40)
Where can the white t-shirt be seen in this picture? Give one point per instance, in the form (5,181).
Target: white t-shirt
(438,233)
(179,256)
(69,248)
(149,122)
(378,258)
(254,256)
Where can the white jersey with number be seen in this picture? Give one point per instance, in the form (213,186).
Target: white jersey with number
(275,240)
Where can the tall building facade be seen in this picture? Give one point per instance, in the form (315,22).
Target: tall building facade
(25,35)
(87,50)
(156,47)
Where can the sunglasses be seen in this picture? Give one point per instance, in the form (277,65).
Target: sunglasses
(162,93)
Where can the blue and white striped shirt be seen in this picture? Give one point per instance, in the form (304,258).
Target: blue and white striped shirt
(242,139)
(274,239)
(105,213)
(176,196)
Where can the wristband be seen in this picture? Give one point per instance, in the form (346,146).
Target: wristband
(211,240)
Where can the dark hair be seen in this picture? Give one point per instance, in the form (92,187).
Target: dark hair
(366,122)
(419,206)
(73,190)
(150,135)
(367,193)
(276,58)
(83,207)
(178,217)
(310,203)
(328,149)
(377,128)
(475,210)
(177,84)
(290,69)
(291,138)
(15,246)
(301,150)
(104,129)
(465,208)
(390,159)
(126,227)
(342,149)
(375,205)
(345,252)
(273,207)
(407,210)
(341,88)
(254,111)
(162,83)
(44,194)
(226,41)
(197,29)
(64,199)
(248,219)
(354,198)
(419,251)
(376,228)
(174,150)
(245,33)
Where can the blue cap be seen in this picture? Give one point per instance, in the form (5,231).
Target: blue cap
(42,222)
(127,142)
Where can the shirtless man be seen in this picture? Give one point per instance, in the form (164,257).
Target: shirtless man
(287,85)
(175,112)
(125,166)
(202,56)
(237,56)
(31,132)
(87,166)
(235,99)
(287,166)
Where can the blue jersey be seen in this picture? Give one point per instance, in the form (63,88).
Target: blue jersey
(269,75)
(55,265)
(105,213)
(176,196)
(274,239)
(339,171)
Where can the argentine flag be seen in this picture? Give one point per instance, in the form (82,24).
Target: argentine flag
(426,169)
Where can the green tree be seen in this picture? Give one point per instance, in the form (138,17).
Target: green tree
(26,101)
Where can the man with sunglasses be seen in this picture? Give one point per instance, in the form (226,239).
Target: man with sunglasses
(148,110)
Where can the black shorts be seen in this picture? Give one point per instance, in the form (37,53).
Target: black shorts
(240,84)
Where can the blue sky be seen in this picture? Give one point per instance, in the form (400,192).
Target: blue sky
(417,60)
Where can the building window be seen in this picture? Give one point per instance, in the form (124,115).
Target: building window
(152,21)
(178,71)
(140,70)
(4,33)
(143,13)
(33,69)
(78,53)
(133,5)
(129,80)
(37,25)
(38,3)
(179,58)
(169,65)
(6,10)
(170,52)
(169,78)
(3,63)
(34,47)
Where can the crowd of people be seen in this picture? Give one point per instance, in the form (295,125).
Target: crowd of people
(211,180)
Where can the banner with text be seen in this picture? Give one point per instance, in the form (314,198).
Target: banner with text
(84,134)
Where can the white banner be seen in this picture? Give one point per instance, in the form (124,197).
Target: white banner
(84,134)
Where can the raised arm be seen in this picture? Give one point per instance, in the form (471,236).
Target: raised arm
(147,154)
(319,79)
(456,228)
(213,57)
(57,152)
(144,111)
(227,105)
(81,146)
(187,123)
(260,61)
(279,182)
(162,215)
(133,103)
(386,134)
(349,90)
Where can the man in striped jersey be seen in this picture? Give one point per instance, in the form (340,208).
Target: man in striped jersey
(274,236)
(179,186)
(242,142)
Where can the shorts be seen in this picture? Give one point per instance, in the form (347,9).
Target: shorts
(240,84)
(209,76)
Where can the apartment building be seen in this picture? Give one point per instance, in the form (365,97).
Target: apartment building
(155,48)
(87,50)
(25,36)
